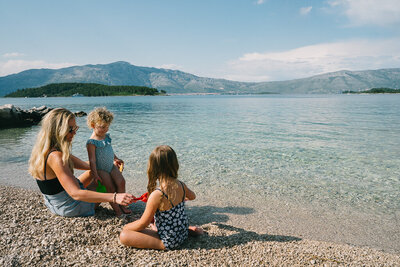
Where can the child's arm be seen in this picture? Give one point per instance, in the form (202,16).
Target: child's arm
(190,195)
(92,161)
(151,207)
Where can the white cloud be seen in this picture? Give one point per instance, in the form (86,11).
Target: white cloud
(305,10)
(369,12)
(13,54)
(315,59)
(260,2)
(15,66)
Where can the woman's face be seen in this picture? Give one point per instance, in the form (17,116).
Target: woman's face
(73,128)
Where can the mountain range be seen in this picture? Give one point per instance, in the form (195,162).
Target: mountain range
(174,81)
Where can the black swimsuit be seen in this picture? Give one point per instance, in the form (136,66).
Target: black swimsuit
(49,187)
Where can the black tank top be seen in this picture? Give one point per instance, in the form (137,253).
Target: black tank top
(49,187)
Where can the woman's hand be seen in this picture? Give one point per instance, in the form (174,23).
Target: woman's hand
(124,199)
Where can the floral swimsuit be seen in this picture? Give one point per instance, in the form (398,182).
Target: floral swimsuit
(173,224)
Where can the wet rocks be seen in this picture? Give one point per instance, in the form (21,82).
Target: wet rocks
(11,116)
(80,114)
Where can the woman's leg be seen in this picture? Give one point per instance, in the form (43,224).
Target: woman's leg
(88,182)
(86,178)
(144,239)
(110,186)
(119,182)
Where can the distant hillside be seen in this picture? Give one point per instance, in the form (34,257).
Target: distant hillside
(83,89)
(173,81)
(335,82)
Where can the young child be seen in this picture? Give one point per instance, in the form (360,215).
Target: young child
(166,204)
(102,159)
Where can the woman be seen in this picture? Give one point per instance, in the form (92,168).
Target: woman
(52,164)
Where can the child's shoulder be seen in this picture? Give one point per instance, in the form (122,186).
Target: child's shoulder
(155,195)
(99,143)
(156,192)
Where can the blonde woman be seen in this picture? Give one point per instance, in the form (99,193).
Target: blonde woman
(51,164)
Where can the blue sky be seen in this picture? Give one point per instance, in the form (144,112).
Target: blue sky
(243,40)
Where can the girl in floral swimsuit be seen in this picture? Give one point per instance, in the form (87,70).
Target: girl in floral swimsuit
(166,204)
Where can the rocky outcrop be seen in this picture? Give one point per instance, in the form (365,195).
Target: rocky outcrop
(80,114)
(11,116)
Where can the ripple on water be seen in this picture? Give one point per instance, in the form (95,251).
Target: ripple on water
(326,150)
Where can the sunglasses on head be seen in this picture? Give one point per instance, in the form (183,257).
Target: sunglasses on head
(73,129)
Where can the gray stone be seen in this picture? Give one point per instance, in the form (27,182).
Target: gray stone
(11,116)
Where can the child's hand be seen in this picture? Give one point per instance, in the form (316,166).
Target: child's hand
(97,179)
(119,163)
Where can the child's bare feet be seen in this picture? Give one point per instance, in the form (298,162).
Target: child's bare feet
(195,231)
(125,210)
(117,209)
(153,227)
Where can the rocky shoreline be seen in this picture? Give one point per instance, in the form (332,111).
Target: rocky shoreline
(32,236)
(11,116)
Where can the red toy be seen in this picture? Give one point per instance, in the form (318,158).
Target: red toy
(142,197)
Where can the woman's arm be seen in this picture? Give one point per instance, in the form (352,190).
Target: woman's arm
(92,161)
(151,207)
(71,186)
(80,164)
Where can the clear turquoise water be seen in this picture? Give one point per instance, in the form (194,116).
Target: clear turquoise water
(329,150)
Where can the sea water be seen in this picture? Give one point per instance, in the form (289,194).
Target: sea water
(330,151)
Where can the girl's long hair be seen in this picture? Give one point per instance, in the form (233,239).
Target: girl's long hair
(52,134)
(163,164)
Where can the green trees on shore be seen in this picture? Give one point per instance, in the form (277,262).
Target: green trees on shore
(375,91)
(85,89)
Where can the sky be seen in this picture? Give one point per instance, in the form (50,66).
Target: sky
(241,40)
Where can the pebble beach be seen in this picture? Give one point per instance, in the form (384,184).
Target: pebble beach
(32,236)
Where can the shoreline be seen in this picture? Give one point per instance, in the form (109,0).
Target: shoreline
(31,235)
(269,215)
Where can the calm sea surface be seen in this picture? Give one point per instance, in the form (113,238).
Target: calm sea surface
(328,150)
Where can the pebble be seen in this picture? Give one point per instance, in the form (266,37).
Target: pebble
(32,236)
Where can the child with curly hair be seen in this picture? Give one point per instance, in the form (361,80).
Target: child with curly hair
(104,164)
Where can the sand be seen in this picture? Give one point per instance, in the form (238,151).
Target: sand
(32,236)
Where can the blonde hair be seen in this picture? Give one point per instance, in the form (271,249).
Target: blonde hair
(52,134)
(163,164)
(99,115)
